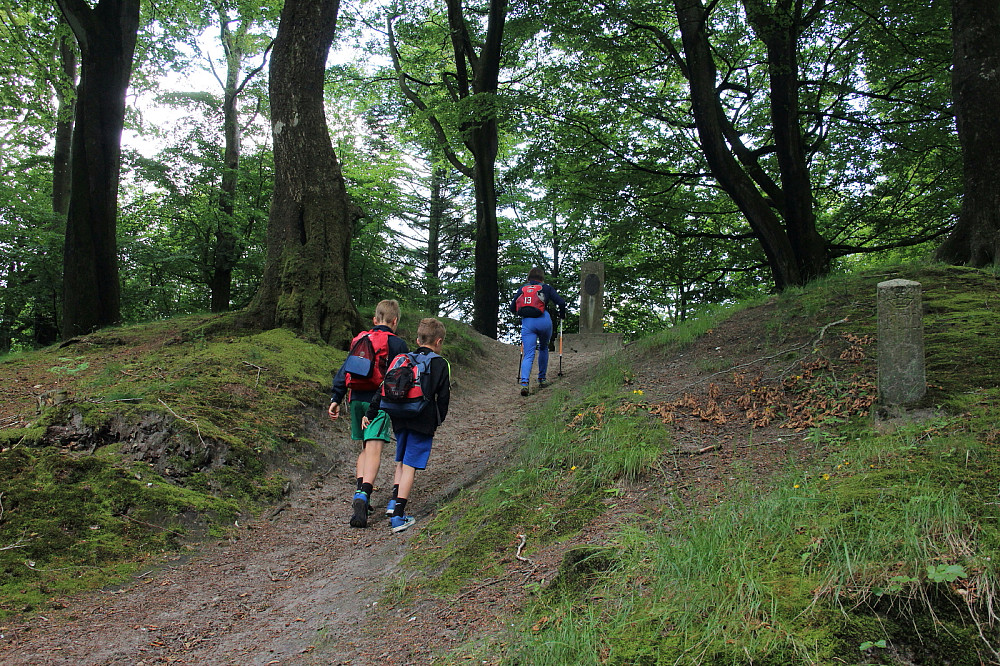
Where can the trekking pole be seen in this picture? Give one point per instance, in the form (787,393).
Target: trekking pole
(560,348)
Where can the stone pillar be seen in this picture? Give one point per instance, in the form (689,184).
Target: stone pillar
(901,375)
(592,297)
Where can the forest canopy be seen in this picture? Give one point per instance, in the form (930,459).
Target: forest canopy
(704,152)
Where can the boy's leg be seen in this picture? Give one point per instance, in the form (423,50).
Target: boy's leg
(543,349)
(356,410)
(376,434)
(360,504)
(390,506)
(413,449)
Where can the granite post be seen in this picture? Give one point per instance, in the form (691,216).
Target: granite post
(902,378)
(592,297)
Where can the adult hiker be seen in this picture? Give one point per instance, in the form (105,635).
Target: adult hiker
(536,326)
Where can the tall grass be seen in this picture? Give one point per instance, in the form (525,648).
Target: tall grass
(789,575)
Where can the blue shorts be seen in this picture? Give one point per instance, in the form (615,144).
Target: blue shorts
(413,448)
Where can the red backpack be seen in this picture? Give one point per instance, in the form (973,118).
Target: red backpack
(403,390)
(367,360)
(530,302)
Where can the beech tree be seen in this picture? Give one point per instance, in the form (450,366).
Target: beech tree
(304,286)
(975,239)
(473,87)
(106,34)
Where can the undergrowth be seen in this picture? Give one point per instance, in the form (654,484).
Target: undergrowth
(881,549)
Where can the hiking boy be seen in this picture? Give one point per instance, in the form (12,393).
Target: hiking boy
(415,432)
(536,327)
(360,390)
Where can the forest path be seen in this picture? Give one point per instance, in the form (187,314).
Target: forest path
(297,587)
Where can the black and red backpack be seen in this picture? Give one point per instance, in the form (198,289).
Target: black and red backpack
(403,391)
(367,360)
(530,301)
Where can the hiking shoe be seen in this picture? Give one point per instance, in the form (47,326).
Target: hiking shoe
(542,383)
(361,509)
(524,390)
(390,508)
(400,523)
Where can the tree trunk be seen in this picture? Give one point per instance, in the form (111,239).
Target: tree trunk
(486,284)
(226,251)
(106,35)
(785,226)
(304,286)
(65,91)
(47,295)
(976,93)
(435,221)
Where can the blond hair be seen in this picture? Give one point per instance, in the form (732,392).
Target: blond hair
(387,311)
(429,330)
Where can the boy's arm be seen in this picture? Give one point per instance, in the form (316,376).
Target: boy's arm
(373,406)
(443,392)
(339,386)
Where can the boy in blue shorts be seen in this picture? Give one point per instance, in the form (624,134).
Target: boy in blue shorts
(415,434)
(380,345)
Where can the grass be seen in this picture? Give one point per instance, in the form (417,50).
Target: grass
(880,550)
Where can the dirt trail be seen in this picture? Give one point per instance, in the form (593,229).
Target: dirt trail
(298,587)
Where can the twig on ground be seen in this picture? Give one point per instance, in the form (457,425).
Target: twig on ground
(158,527)
(258,371)
(20,543)
(194,423)
(520,547)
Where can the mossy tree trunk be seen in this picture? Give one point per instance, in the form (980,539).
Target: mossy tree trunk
(976,93)
(304,286)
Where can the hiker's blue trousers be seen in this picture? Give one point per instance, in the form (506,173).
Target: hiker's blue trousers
(535,330)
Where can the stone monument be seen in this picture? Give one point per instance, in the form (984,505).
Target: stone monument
(592,335)
(901,374)
(592,297)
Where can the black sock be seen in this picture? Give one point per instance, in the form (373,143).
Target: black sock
(366,488)
(361,481)
(400,507)
(395,491)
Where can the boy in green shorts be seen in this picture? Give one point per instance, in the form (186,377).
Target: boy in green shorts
(358,380)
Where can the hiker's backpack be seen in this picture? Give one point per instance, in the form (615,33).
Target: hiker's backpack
(403,389)
(367,360)
(530,301)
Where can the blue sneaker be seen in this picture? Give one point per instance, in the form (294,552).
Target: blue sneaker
(400,523)
(360,506)
(390,508)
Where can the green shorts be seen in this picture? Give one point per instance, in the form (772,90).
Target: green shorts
(379,428)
